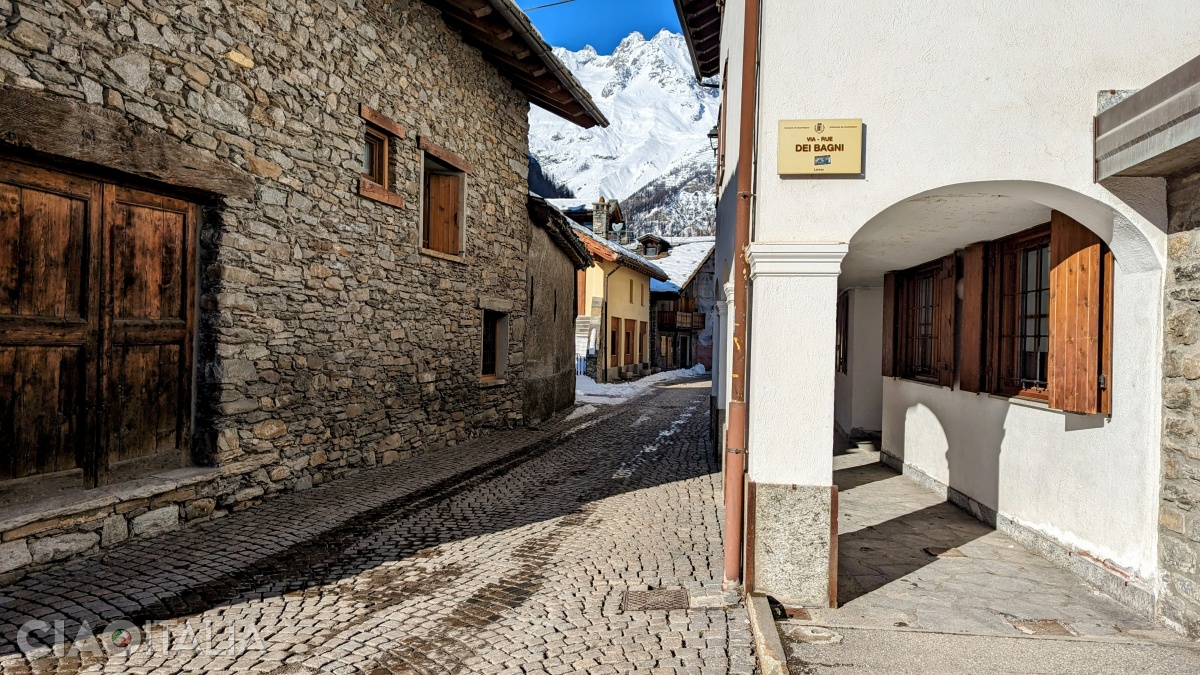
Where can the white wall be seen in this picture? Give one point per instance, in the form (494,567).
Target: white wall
(976,90)
(1087,481)
(858,398)
(999,94)
(866,359)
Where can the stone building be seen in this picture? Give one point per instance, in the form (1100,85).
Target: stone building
(978,269)
(251,246)
(681,325)
(1154,134)
(556,254)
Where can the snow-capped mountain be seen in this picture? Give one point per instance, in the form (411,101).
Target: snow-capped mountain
(682,202)
(659,116)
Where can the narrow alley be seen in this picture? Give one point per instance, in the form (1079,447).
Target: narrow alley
(509,554)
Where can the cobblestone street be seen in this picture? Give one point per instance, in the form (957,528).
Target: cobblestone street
(506,555)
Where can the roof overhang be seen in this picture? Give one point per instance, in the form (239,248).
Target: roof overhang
(1154,132)
(560,231)
(701,21)
(502,32)
(605,253)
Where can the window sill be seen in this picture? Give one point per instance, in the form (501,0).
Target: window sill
(1025,401)
(923,383)
(460,259)
(369,189)
(493,382)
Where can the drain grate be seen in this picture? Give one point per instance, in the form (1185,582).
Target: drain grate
(1041,627)
(939,552)
(641,601)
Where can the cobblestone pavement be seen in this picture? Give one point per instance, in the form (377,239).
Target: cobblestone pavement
(985,605)
(475,559)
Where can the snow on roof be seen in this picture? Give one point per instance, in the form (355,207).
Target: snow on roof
(683,260)
(623,254)
(571,204)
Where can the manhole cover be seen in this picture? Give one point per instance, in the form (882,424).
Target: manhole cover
(641,601)
(1041,627)
(939,552)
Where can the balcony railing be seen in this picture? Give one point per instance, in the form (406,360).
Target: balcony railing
(680,320)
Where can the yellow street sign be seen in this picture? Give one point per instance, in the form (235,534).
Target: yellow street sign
(813,147)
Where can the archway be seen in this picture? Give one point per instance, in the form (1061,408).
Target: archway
(1079,486)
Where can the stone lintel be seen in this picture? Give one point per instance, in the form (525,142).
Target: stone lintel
(496,304)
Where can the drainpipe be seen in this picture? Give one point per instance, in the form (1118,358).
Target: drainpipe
(735,437)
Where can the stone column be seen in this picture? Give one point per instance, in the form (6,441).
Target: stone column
(790,404)
(1179,514)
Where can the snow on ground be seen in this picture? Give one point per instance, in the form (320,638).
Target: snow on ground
(588,391)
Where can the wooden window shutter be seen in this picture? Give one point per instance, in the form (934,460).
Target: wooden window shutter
(1076,343)
(889,324)
(443,201)
(971,366)
(947,297)
(1106,334)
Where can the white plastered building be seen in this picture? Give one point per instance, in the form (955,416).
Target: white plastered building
(978,132)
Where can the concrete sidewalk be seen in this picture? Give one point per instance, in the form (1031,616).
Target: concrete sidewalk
(926,588)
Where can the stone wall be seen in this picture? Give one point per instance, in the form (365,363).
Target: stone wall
(550,350)
(1179,517)
(328,341)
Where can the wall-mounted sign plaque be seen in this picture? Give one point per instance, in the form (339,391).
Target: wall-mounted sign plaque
(810,147)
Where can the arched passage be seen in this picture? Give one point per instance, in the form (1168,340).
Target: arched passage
(947,218)
(1079,484)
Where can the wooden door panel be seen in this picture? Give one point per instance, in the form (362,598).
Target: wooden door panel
(49,319)
(149,296)
(42,245)
(147,259)
(41,410)
(146,411)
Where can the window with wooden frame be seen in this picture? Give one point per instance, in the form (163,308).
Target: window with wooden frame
(843,333)
(919,322)
(1036,318)
(494,340)
(375,156)
(1020,314)
(379,131)
(443,200)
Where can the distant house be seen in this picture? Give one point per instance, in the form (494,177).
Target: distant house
(613,329)
(681,325)
(602,216)
(556,253)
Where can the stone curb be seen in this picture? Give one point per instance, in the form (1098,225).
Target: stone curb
(768,647)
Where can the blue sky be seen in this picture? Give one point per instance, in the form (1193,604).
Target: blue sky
(600,23)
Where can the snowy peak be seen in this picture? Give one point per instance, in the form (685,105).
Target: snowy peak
(659,113)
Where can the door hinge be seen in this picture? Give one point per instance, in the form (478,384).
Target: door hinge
(1103,383)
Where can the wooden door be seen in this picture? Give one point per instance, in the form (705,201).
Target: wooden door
(49,320)
(96,297)
(148,303)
